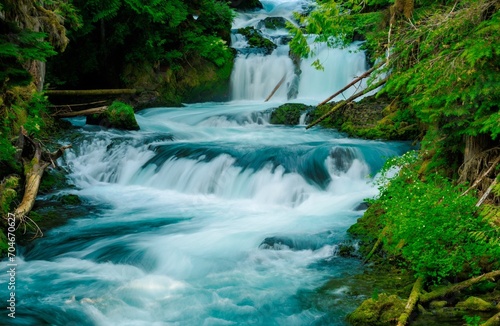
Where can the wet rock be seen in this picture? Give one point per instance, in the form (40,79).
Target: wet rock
(289,114)
(362,206)
(272,23)
(119,115)
(256,40)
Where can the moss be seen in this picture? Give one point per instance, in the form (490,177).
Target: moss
(475,304)
(119,115)
(367,228)
(288,114)
(274,22)
(8,194)
(246,4)
(70,200)
(382,310)
(256,40)
(52,180)
(371,118)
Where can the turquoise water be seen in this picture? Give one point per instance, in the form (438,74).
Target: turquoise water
(206,216)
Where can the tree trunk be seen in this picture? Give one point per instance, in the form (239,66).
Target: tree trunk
(366,74)
(474,145)
(276,88)
(98,110)
(91,92)
(412,301)
(493,321)
(33,171)
(458,287)
(35,161)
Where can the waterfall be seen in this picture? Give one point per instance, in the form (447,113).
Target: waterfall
(208,215)
(255,73)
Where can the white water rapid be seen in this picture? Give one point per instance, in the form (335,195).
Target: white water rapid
(208,215)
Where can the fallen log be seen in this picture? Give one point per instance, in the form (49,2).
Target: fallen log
(76,105)
(426,297)
(35,161)
(276,88)
(69,114)
(412,301)
(487,192)
(350,99)
(363,76)
(90,92)
(493,321)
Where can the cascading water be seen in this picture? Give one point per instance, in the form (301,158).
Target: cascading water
(255,74)
(206,216)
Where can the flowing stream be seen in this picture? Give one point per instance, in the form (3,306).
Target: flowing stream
(208,215)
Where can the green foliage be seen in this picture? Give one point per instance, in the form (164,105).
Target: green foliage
(472,320)
(163,33)
(447,224)
(289,114)
(119,115)
(16,48)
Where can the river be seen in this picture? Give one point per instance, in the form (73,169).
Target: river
(208,215)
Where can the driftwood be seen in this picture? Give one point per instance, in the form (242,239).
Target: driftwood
(426,297)
(90,92)
(276,88)
(69,114)
(35,161)
(364,75)
(350,99)
(412,301)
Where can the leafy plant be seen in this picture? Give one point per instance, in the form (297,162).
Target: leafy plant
(430,225)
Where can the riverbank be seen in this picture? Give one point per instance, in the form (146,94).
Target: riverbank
(421,225)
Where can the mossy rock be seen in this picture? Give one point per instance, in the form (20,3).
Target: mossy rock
(256,40)
(70,200)
(52,180)
(438,304)
(119,115)
(383,310)
(475,304)
(273,23)
(246,4)
(288,114)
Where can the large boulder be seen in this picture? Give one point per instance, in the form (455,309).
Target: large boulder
(119,115)
(289,114)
